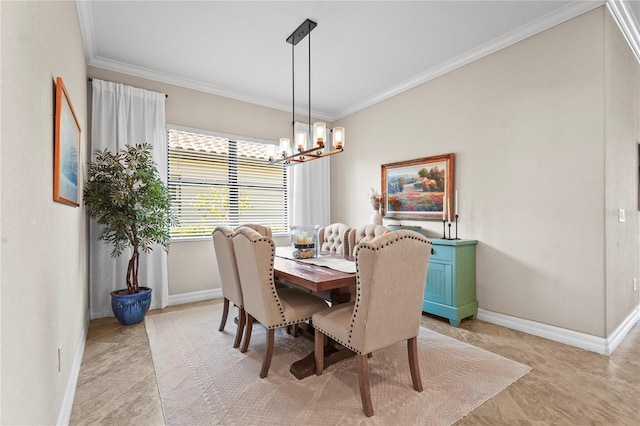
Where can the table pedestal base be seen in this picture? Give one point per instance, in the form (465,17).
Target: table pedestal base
(333,352)
(307,365)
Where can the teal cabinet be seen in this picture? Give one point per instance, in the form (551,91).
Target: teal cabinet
(450,290)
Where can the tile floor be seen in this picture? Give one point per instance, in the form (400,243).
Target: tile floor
(568,386)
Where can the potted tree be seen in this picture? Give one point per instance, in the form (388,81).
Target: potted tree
(126,196)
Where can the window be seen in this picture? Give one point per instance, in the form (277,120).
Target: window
(220,180)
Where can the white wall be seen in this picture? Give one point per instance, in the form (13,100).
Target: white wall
(527,125)
(44,250)
(622,134)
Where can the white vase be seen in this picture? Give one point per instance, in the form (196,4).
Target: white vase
(376,218)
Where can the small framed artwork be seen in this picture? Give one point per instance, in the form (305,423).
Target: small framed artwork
(419,189)
(67,149)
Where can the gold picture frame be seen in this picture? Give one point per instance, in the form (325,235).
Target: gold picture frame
(417,189)
(67,149)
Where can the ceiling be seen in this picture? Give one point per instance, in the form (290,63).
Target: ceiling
(361,51)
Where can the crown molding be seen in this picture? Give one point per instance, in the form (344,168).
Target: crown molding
(149,74)
(84,9)
(86,29)
(568,12)
(621,13)
(619,9)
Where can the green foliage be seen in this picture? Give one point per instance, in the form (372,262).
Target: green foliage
(215,204)
(214,207)
(126,196)
(437,175)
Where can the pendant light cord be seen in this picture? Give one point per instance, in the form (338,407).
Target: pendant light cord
(293,100)
(311,141)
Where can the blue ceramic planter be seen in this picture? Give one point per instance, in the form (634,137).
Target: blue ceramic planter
(131,308)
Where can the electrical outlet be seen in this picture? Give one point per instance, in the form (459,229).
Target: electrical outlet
(620,215)
(59,358)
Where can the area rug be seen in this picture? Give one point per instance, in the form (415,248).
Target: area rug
(204,381)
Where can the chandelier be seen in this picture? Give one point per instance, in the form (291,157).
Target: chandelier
(319,144)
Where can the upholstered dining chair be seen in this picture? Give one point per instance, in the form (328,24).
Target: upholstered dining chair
(228,269)
(273,307)
(391,271)
(334,238)
(365,233)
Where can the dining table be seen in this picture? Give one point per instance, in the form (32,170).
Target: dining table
(328,275)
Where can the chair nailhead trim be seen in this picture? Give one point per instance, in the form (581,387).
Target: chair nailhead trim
(273,283)
(343,343)
(292,322)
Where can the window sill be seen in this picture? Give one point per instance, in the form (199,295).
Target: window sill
(208,238)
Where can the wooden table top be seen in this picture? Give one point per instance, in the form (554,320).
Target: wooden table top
(312,277)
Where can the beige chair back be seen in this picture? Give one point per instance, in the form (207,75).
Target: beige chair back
(227,266)
(391,276)
(334,239)
(365,233)
(255,254)
(261,229)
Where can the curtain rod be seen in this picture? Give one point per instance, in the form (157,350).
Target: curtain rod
(89,79)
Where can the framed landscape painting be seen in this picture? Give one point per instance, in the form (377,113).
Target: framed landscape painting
(67,148)
(419,189)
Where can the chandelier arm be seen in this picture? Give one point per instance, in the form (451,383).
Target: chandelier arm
(306,155)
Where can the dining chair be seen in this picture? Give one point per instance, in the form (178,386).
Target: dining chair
(365,233)
(271,306)
(334,238)
(228,269)
(391,271)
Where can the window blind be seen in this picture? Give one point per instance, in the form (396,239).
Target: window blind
(215,180)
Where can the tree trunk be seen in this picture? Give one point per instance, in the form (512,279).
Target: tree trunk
(132,272)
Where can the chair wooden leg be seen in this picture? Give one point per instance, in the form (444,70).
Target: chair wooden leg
(267,356)
(363,383)
(241,320)
(412,349)
(318,339)
(247,333)
(225,312)
(295,330)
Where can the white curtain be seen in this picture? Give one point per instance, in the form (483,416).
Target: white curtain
(124,115)
(309,190)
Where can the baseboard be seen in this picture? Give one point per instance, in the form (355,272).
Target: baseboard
(64,414)
(623,329)
(195,296)
(569,337)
